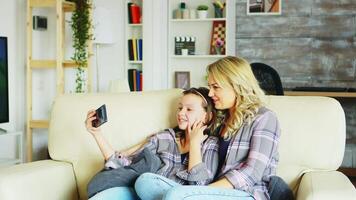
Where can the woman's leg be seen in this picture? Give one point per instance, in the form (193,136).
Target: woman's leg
(116,193)
(150,186)
(205,193)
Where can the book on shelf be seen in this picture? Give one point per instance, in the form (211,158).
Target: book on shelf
(135,49)
(135,79)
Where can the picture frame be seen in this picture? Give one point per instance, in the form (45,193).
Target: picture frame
(264,7)
(182,79)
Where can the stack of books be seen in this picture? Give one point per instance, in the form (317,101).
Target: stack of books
(135,79)
(135,49)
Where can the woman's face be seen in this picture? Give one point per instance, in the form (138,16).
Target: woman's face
(224,98)
(190,110)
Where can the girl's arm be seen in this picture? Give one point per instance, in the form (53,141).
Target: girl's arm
(103,144)
(203,158)
(196,138)
(131,150)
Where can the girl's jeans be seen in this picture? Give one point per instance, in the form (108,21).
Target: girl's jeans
(155,187)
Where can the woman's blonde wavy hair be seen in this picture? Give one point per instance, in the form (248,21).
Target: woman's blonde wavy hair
(237,73)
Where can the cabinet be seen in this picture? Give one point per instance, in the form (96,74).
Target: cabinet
(18,136)
(134,44)
(201,31)
(58,64)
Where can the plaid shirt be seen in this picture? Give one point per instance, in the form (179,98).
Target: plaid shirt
(252,155)
(164,145)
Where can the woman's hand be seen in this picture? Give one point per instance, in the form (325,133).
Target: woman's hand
(88,123)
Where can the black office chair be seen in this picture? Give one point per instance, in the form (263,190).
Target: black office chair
(268,78)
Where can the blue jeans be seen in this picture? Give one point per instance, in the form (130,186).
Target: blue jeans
(116,193)
(155,187)
(151,186)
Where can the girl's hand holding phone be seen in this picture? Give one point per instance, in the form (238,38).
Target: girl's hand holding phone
(89,123)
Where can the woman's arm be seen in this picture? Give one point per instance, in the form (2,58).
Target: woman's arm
(262,150)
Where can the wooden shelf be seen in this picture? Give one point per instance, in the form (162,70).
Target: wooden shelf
(135,25)
(45,64)
(199,56)
(325,94)
(39,123)
(67,6)
(138,62)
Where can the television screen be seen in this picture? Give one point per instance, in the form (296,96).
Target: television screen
(4,93)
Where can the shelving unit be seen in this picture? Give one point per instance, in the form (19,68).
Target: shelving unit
(61,7)
(201,29)
(133,31)
(325,94)
(18,159)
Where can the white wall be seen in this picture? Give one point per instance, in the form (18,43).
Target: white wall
(13,25)
(10,26)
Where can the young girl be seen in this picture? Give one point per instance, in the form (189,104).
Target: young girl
(188,156)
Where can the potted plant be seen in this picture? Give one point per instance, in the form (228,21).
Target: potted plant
(81,25)
(202,11)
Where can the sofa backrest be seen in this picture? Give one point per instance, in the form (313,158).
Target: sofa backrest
(131,117)
(313,130)
(313,135)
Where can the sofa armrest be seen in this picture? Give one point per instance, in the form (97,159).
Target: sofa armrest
(41,180)
(324,186)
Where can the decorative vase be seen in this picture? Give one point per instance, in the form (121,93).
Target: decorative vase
(218,12)
(218,50)
(202,14)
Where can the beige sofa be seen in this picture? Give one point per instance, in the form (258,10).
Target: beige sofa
(311,147)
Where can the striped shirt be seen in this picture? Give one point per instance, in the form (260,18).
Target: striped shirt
(164,145)
(252,155)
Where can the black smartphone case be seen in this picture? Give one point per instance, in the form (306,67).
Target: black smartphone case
(101,116)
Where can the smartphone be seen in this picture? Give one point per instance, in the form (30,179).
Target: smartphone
(101,116)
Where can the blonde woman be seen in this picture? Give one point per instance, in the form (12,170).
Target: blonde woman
(248,136)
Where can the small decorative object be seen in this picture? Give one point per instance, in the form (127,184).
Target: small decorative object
(218,8)
(193,13)
(264,7)
(185,13)
(202,11)
(218,33)
(184,42)
(219,44)
(177,14)
(182,80)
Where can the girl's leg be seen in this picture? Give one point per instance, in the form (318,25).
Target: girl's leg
(116,193)
(205,193)
(150,186)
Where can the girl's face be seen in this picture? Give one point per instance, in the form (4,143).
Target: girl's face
(190,110)
(224,98)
